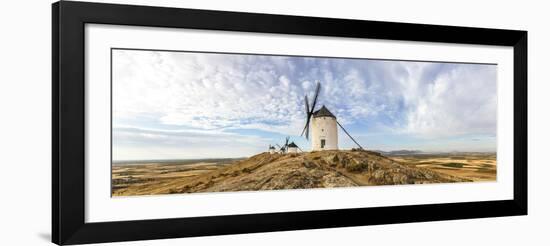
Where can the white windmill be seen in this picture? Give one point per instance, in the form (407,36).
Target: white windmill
(289,147)
(292,148)
(324,126)
(284,148)
(271,149)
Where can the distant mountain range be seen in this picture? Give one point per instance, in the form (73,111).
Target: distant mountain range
(419,152)
(400,152)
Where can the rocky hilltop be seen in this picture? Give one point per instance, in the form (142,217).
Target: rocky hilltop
(320,169)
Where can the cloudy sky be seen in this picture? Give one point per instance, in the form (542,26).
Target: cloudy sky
(176,105)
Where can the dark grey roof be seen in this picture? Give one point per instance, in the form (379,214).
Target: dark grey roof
(323,112)
(292,145)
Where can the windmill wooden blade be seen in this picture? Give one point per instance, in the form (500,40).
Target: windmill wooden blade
(278,146)
(305,128)
(308,115)
(286,142)
(315,97)
(309,111)
(307,105)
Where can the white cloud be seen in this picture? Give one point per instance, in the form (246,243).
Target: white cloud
(460,101)
(138,143)
(205,91)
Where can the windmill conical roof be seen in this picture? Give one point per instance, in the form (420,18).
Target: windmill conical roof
(292,145)
(323,112)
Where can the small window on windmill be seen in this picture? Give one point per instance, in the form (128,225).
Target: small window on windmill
(322,143)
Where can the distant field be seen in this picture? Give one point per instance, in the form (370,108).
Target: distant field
(473,166)
(177,162)
(156,177)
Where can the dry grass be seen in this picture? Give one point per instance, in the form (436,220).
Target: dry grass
(473,166)
(155,178)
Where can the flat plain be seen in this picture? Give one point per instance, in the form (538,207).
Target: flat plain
(147,178)
(472,166)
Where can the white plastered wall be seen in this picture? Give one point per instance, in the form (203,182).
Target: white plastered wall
(324,128)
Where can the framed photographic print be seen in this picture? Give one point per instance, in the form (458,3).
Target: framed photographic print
(175,122)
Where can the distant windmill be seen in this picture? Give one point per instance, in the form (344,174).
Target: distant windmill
(324,126)
(293,148)
(284,148)
(271,149)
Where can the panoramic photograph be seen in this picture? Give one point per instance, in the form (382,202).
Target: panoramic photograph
(194,122)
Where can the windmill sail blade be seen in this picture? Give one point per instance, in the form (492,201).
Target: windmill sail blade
(309,111)
(278,146)
(317,90)
(307,105)
(305,128)
(308,114)
(315,97)
(361,147)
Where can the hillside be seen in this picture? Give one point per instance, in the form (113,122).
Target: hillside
(308,170)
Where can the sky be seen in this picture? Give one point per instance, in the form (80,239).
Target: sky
(184,105)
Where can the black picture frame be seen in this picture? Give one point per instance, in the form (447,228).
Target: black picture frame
(68,107)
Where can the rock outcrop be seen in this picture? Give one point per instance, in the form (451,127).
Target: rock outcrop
(320,169)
